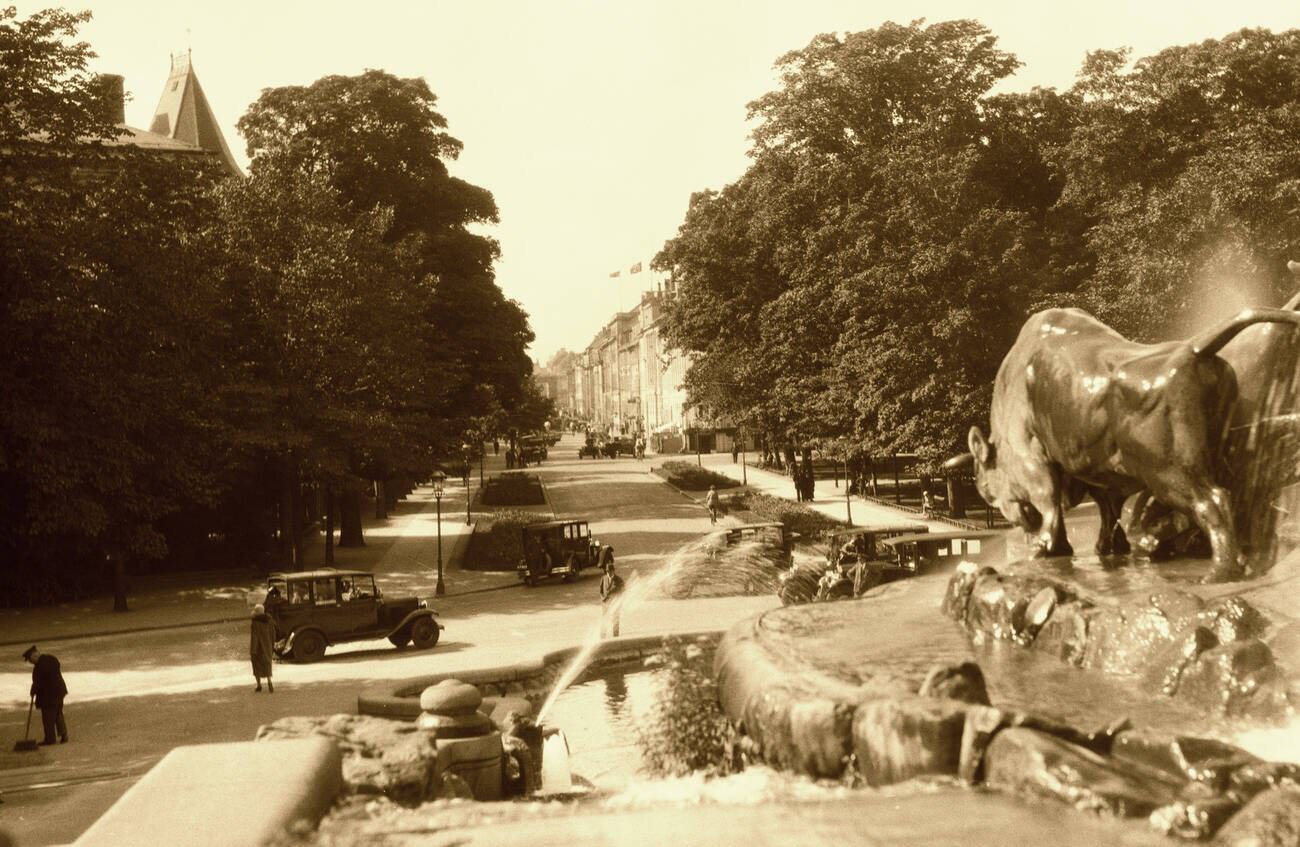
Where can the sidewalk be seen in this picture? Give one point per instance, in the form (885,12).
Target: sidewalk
(400,550)
(831,500)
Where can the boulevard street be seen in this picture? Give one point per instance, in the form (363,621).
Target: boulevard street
(134,696)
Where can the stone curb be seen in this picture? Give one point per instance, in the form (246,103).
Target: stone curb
(241,793)
(400,699)
(211,622)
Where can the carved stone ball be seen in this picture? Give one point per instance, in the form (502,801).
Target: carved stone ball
(450,697)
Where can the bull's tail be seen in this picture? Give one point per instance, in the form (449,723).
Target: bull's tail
(1211,342)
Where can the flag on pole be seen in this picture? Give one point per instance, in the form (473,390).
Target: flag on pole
(614,275)
(636,269)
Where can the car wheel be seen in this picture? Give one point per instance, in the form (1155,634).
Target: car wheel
(400,639)
(424,633)
(530,581)
(570,576)
(308,646)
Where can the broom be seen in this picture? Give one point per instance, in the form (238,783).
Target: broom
(28,743)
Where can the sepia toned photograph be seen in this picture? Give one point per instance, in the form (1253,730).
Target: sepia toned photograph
(544,423)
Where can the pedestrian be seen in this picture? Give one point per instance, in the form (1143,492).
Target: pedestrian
(48,691)
(261,642)
(510,458)
(809,482)
(611,593)
(711,503)
(496,446)
(735,452)
(927,506)
(797,478)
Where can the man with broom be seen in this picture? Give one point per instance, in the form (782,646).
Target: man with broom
(48,691)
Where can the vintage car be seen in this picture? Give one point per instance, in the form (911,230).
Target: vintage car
(919,553)
(856,560)
(775,540)
(593,447)
(557,548)
(532,448)
(619,446)
(316,609)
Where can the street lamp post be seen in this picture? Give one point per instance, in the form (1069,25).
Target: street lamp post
(848,503)
(438,479)
(744,476)
(464,449)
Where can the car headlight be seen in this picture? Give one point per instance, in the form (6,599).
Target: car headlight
(422,604)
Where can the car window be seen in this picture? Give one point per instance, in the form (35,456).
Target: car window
(299,592)
(325,591)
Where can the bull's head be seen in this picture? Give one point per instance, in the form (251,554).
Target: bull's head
(995,485)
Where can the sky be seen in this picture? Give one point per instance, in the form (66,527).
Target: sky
(591,122)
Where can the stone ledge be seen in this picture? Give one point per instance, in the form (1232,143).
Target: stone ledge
(401,699)
(241,794)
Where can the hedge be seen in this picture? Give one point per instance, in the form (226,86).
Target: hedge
(690,477)
(496,544)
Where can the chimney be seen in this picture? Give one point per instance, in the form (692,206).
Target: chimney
(112,97)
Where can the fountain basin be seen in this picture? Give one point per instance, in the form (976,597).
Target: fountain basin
(839,689)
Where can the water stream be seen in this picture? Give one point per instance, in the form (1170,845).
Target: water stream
(698,568)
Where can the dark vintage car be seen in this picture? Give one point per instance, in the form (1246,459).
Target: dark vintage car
(620,446)
(593,447)
(772,537)
(532,448)
(856,560)
(919,553)
(316,609)
(557,548)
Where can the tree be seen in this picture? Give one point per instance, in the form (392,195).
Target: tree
(382,146)
(49,94)
(1189,165)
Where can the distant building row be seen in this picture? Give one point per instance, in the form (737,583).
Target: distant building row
(628,381)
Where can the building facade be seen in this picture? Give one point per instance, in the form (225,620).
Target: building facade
(628,380)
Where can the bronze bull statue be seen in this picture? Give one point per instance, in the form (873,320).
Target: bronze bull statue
(1078,408)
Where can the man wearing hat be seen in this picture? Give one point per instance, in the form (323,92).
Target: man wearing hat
(611,587)
(49,690)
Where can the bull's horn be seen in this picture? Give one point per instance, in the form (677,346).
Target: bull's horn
(957,463)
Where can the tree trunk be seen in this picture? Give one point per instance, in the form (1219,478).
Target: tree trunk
(381,500)
(393,491)
(288,520)
(350,534)
(119,583)
(329,525)
(297,527)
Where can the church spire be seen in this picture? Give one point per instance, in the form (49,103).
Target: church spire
(184,114)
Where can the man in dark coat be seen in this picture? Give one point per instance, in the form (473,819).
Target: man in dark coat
(261,643)
(611,589)
(49,690)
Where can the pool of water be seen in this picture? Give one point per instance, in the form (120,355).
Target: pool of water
(599,716)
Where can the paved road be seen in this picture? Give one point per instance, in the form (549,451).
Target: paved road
(135,696)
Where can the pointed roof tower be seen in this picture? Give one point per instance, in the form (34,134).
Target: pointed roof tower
(183,113)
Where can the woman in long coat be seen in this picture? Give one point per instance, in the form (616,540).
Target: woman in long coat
(260,643)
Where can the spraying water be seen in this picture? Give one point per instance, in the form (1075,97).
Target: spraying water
(698,568)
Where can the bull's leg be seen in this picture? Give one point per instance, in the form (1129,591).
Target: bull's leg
(1138,525)
(1111,539)
(1213,512)
(1050,540)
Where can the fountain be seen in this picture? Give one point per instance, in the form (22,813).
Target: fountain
(1109,682)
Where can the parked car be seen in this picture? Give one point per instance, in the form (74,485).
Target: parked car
(920,552)
(856,560)
(556,548)
(532,448)
(593,447)
(313,610)
(775,542)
